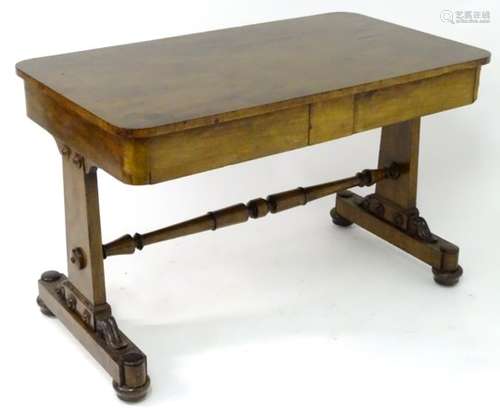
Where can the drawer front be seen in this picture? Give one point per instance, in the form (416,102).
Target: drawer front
(205,148)
(346,115)
(331,119)
(403,102)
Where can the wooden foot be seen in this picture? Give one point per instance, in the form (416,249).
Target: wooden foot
(447,278)
(47,276)
(126,364)
(338,219)
(43,308)
(131,394)
(404,229)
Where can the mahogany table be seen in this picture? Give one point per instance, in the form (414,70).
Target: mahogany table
(158,110)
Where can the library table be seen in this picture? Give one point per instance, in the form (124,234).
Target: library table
(158,110)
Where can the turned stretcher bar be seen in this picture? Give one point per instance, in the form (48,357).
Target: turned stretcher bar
(256,208)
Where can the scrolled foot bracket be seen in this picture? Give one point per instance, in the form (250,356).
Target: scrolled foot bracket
(108,329)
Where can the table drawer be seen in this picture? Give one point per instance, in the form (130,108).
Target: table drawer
(331,119)
(403,102)
(204,148)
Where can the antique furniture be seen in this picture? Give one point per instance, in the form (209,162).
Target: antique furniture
(158,110)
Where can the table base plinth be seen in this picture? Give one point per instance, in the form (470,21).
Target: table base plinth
(390,223)
(126,363)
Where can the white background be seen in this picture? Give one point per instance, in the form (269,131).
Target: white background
(286,312)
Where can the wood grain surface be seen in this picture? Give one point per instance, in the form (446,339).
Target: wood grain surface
(157,110)
(177,80)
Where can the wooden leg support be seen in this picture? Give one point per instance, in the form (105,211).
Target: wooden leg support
(391,212)
(440,254)
(79,300)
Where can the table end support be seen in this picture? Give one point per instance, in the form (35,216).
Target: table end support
(391,211)
(79,299)
(404,229)
(123,360)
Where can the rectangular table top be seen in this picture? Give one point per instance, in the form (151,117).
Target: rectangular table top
(145,89)
(153,111)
